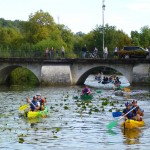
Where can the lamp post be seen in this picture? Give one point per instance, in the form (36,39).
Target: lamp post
(103,9)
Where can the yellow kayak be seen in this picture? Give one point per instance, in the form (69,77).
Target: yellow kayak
(132,124)
(34,114)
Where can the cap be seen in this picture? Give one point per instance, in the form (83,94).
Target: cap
(38,94)
(127,104)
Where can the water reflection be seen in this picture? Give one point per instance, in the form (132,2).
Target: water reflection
(131,136)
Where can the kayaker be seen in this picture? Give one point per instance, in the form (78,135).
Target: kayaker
(86,90)
(34,104)
(137,112)
(41,101)
(126,110)
(117,87)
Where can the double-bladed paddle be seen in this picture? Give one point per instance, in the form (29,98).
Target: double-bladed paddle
(117,114)
(114,123)
(23,107)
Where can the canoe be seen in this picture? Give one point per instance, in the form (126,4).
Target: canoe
(132,124)
(34,114)
(86,97)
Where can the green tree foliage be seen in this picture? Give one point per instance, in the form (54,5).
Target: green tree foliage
(145,36)
(122,39)
(10,38)
(22,76)
(40,26)
(66,35)
(142,38)
(78,43)
(112,38)
(10,24)
(135,38)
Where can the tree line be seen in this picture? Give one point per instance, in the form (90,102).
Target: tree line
(40,32)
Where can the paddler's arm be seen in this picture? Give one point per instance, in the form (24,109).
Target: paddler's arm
(45,99)
(28,100)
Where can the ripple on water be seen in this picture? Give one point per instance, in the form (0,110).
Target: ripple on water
(71,123)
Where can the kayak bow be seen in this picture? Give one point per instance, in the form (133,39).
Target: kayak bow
(132,124)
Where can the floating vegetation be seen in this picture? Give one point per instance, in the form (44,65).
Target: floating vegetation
(66,107)
(21,140)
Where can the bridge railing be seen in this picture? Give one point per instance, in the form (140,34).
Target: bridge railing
(41,54)
(21,54)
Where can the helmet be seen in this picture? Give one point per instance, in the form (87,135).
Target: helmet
(127,104)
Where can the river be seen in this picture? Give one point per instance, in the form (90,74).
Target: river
(71,123)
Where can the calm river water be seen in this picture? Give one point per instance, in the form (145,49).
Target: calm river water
(72,124)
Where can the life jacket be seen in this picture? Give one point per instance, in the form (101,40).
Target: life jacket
(129,115)
(86,91)
(41,101)
(32,106)
(137,110)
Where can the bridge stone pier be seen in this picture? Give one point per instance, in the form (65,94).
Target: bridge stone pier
(75,71)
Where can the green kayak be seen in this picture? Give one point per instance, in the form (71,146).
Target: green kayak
(86,97)
(34,114)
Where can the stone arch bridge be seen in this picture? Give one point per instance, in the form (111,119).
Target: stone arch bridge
(75,71)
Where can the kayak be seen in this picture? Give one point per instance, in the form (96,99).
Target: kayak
(132,124)
(86,97)
(34,114)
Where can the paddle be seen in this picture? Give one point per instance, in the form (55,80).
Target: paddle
(23,107)
(116,114)
(114,123)
(127,90)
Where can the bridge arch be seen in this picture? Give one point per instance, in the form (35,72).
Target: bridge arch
(85,70)
(5,71)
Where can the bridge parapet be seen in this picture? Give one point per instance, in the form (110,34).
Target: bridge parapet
(74,71)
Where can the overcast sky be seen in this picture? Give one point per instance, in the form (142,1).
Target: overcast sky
(82,15)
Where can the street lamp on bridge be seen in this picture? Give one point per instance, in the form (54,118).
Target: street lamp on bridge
(103,9)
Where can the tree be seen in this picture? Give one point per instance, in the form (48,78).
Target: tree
(135,38)
(40,26)
(112,38)
(145,36)
(10,38)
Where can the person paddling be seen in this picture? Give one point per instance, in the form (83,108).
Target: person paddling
(86,90)
(34,104)
(137,112)
(41,101)
(126,110)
